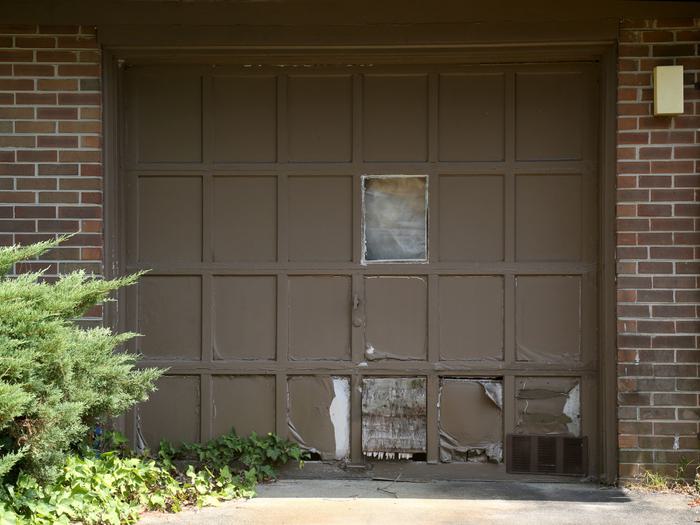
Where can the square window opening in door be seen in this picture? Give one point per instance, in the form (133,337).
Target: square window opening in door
(394,218)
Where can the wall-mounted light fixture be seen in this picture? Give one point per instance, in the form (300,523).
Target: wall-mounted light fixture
(668,90)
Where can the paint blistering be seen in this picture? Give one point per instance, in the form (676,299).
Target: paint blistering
(548,405)
(340,416)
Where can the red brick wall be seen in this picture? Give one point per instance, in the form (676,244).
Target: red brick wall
(658,250)
(50,142)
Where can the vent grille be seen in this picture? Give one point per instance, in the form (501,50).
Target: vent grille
(555,455)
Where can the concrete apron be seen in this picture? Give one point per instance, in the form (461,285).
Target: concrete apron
(305,502)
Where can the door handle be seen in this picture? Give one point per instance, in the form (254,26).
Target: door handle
(356,316)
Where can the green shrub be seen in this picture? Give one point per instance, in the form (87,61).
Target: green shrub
(57,379)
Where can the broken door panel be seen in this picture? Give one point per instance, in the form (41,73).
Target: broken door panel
(548,405)
(396,318)
(245,316)
(395,218)
(393,416)
(471,317)
(470,420)
(318,414)
(244,403)
(319,317)
(548,318)
(172,412)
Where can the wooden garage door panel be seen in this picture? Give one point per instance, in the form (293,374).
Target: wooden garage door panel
(549,218)
(319,317)
(320,218)
(550,113)
(396,317)
(157,420)
(230,412)
(319,118)
(170,317)
(245,120)
(395,117)
(245,219)
(472,117)
(245,317)
(169,219)
(313,421)
(472,218)
(471,317)
(167,117)
(548,318)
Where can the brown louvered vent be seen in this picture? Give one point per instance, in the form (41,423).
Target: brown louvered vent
(554,455)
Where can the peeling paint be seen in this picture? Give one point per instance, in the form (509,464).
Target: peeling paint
(318,414)
(548,405)
(340,416)
(372,354)
(470,414)
(494,391)
(572,409)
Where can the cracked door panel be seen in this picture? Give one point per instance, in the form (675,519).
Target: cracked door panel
(470,420)
(318,415)
(393,417)
(548,405)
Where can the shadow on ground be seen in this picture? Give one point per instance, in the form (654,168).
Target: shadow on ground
(330,502)
(452,490)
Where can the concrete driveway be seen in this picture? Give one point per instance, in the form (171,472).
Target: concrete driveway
(305,502)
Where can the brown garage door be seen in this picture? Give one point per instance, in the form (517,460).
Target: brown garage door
(383,263)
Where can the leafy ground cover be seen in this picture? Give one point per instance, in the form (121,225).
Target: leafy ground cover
(115,486)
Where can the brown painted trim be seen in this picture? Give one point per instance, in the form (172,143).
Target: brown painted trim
(296,12)
(110,188)
(457,53)
(304,35)
(607,281)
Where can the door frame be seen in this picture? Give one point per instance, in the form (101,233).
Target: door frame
(605,54)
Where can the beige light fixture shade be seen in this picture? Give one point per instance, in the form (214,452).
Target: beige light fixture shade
(668,90)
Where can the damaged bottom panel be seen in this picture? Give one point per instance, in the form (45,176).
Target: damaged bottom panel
(470,420)
(548,405)
(393,417)
(318,414)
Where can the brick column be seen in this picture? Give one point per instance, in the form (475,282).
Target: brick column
(50,142)
(658,251)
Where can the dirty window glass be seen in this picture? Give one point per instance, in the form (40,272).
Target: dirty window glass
(395,218)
